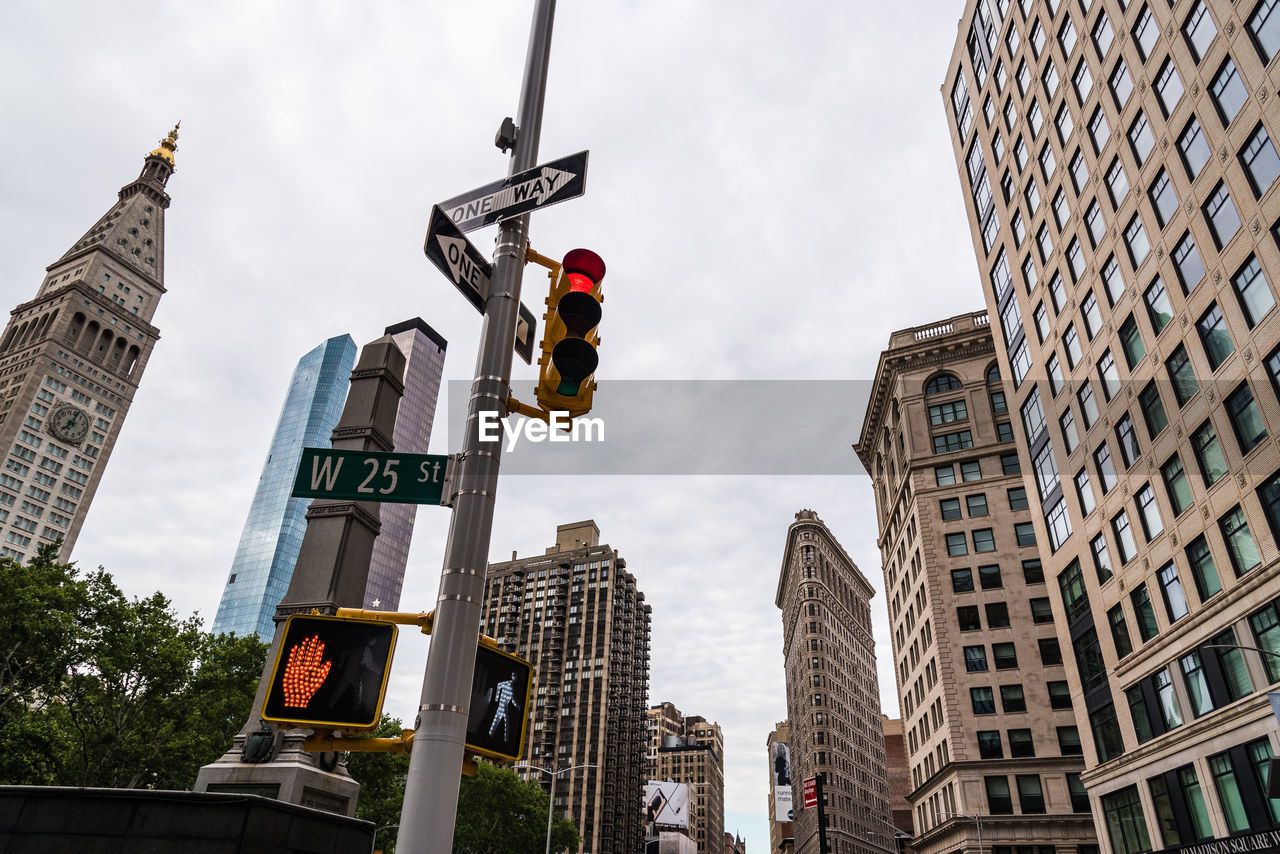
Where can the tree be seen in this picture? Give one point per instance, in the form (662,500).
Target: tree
(499,813)
(100,690)
(381,777)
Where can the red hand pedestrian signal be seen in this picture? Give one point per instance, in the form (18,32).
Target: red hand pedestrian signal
(304,673)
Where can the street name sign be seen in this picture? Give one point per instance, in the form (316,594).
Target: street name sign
(372,476)
(451,252)
(539,187)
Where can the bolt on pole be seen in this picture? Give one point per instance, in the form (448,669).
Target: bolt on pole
(435,765)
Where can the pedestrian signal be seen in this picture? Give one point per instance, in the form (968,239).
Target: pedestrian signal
(330,672)
(499,711)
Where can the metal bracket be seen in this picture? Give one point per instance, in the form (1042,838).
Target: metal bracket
(450,488)
(507,135)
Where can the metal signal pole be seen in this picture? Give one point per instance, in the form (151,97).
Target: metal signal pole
(435,765)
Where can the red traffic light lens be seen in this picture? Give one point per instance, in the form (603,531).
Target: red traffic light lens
(586,263)
(579,282)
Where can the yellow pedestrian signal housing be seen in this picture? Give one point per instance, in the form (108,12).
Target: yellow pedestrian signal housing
(499,712)
(330,672)
(569,358)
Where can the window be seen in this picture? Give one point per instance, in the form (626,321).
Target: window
(1119,631)
(1148,512)
(999,800)
(1265,625)
(969,618)
(1023,77)
(984,701)
(977,504)
(1181,375)
(1084,492)
(1067,37)
(1212,327)
(1099,130)
(962,580)
(1063,121)
(1046,469)
(1164,199)
(1075,598)
(989,744)
(1033,415)
(1169,87)
(1109,374)
(1088,654)
(1009,464)
(1005,656)
(1017,498)
(983,540)
(1036,38)
(1241,548)
(1146,33)
(1101,558)
(975,658)
(1108,743)
(1075,259)
(1227,783)
(1220,211)
(948,442)
(1050,79)
(1131,342)
(1122,810)
(1117,183)
(950,509)
(1259,753)
(941,383)
(1025,533)
(1036,120)
(1203,572)
(1192,668)
(1112,279)
(1175,601)
(1269,497)
(1194,148)
(1204,442)
(1186,259)
(1152,410)
(944,475)
(944,413)
(1106,469)
(1070,438)
(1050,652)
(1252,291)
(1170,710)
(1032,195)
(997,616)
(1054,370)
(1246,420)
(1082,81)
(989,577)
(998,403)
(1128,441)
(1041,317)
(1088,406)
(1079,171)
(1199,30)
(1102,35)
(1121,84)
(1041,610)
(1069,741)
(1176,485)
(957,545)
(1228,91)
(1059,695)
(1061,212)
(1044,242)
(1264,27)
(1123,532)
(1135,240)
(970,471)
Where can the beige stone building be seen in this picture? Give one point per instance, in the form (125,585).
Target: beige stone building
(1118,161)
(833,696)
(986,708)
(577,615)
(781,828)
(690,749)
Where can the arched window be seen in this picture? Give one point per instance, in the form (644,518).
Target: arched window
(941,383)
(993,373)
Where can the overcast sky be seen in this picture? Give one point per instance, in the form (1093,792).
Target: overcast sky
(771,185)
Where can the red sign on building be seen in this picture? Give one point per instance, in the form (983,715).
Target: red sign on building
(811,792)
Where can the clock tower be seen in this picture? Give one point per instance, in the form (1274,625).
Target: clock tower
(70,362)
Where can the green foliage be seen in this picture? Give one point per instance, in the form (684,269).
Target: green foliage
(381,777)
(499,813)
(100,690)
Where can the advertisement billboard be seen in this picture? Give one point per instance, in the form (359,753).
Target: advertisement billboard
(666,803)
(783,809)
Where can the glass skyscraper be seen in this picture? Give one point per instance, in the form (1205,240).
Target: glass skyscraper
(273,532)
(424,350)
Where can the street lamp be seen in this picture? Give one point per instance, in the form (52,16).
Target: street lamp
(551,801)
(976,819)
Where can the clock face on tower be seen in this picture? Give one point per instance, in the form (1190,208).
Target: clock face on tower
(69,423)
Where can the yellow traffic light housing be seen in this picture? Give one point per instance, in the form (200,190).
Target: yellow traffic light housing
(570,337)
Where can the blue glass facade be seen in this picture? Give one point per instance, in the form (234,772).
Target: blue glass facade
(273,532)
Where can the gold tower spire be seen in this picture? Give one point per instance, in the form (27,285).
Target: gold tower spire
(168,145)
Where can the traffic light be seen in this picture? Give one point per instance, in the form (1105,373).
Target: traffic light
(499,710)
(330,672)
(569,335)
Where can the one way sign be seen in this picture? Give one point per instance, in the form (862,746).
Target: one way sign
(539,187)
(451,252)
